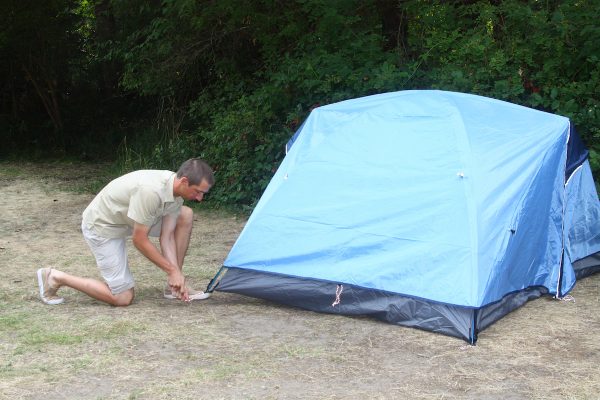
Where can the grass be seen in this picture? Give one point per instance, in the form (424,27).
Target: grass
(234,347)
(74,176)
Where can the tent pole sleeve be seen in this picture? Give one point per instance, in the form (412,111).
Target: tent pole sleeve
(473,333)
(214,282)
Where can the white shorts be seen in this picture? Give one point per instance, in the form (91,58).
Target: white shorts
(111,258)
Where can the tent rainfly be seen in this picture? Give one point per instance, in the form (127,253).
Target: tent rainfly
(437,210)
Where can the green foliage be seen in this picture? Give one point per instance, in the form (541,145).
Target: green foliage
(160,81)
(538,54)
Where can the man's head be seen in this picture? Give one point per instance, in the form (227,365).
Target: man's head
(194,179)
(196,170)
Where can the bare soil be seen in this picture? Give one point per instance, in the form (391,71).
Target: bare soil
(235,347)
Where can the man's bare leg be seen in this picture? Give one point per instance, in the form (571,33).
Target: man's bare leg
(181,238)
(92,287)
(183,233)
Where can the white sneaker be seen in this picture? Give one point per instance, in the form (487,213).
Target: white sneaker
(193,294)
(47,294)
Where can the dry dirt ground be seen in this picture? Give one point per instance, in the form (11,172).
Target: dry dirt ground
(234,347)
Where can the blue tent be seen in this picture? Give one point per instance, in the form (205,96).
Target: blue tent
(437,210)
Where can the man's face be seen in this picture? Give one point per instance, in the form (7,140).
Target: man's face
(195,192)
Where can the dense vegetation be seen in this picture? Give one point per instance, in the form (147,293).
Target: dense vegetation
(150,83)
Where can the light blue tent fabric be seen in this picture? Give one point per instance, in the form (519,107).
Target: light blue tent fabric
(444,197)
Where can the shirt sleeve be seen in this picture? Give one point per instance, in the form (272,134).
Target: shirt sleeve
(173,208)
(145,206)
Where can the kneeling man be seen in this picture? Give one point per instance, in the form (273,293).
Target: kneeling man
(139,204)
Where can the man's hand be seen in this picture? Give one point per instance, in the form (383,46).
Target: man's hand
(176,282)
(175,278)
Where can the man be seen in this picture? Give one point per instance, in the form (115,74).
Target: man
(139,204)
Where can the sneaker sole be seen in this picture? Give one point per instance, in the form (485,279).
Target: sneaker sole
(40,278)
(200,296)
(197,296)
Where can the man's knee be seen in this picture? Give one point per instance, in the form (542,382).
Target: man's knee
(124,299)
(186,216)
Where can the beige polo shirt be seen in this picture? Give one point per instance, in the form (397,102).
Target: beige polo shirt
(143,196)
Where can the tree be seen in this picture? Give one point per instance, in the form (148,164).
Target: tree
(39,41)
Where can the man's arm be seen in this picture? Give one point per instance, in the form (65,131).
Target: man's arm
(175,278)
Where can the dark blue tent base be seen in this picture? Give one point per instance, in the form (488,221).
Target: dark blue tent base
(587,266)
(329,297)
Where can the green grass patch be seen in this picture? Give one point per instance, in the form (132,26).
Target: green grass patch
(228,368)
(71,176)
(107,327)
(10,170)
(10,323)
(41,338)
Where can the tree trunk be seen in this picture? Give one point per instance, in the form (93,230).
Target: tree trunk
(105,30)
(393,24)
(46,91)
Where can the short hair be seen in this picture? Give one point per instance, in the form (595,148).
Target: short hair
(196,170)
